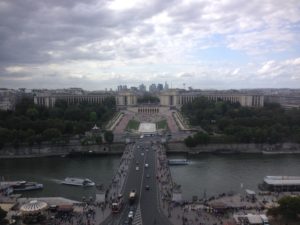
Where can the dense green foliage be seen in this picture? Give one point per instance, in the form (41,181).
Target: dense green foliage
(234,123)
(109,137)
(289,208)
(30,124)
(162,125)
(196,139)
(133,125)
(2,217)
(146,98)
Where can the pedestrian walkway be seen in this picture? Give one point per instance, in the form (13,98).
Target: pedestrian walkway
(117,185)
(171,123)
(119,129)
(137,217)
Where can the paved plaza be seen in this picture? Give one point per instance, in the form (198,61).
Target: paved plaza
(147,128)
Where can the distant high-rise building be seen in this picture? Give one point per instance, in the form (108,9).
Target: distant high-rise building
(166,86)
(134,89)
(142,88)
(153,88)
(122,87)
(160,87)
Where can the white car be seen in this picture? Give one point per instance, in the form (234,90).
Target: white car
(146,165)
(137,168)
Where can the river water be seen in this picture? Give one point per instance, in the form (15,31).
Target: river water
(207,174)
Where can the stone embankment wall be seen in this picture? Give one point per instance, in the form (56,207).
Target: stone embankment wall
(54,150)
(282,148)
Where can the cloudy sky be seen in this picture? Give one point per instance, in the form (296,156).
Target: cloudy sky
(97,44)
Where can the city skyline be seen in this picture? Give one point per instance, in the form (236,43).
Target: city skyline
(101,44)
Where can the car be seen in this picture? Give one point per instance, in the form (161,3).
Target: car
(126,222)
(137,168)
(146,165)
(147,187)
(142,154)
(148,175)
(130,215)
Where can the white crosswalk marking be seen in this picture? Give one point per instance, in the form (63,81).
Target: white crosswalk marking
(137,220)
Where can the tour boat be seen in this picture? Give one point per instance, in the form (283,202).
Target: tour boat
(26,186)
(280,183)
(78,182)
(178,162)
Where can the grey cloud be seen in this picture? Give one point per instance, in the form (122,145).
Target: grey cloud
(186,75)
(29,29)
(41,32)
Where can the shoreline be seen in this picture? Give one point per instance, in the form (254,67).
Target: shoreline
(70,151)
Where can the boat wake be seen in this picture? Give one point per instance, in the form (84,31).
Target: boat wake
(55,180)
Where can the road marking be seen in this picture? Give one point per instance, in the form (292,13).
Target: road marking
(138,217)
(141,186)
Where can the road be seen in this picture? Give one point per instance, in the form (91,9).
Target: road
(146,207)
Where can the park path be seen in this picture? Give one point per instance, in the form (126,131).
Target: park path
(123,123)
(171,122)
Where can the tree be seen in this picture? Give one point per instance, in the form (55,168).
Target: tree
(201,138)
(32,113)
(30,137)
(69,128)
(51,134)
(108,136)
(289,208)
(98,140)
(190,142)
(5,135)
(3,214)
(93,116)
(23,105)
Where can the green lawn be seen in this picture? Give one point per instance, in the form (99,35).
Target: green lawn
(133,125)
(162,125)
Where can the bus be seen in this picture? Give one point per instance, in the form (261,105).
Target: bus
(117,204)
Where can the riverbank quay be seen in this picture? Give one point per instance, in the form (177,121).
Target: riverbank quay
(72,150)
(171,147)
(57,211)
(280,148)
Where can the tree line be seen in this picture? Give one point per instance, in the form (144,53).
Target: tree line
(228,122)
(31,124)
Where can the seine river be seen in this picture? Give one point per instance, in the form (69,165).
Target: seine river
(206,174)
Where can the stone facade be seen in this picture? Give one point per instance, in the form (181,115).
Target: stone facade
(126,98)
(170,98)
(48,100)
(178,98)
